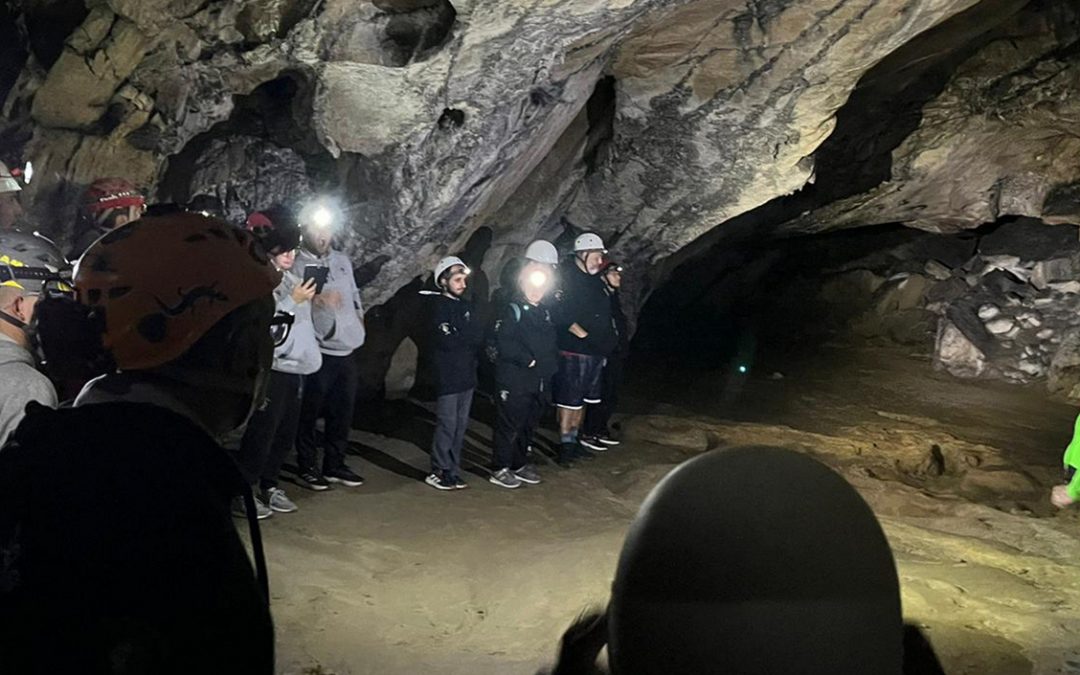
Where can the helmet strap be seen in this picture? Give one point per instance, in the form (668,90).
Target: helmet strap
(18,323)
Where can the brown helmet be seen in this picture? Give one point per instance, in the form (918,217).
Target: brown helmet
(163,282)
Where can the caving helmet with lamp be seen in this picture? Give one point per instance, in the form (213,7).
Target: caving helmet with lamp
(276,228)
(34,264)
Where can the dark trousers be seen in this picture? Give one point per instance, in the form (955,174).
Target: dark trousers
(271,431)
(515,416)
(598,416)
(452,419)
(329,393)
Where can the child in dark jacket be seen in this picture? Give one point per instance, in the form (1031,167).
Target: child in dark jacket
(526,362)
(456,339)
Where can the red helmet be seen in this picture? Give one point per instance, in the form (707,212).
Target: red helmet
(275,228)
(111,193)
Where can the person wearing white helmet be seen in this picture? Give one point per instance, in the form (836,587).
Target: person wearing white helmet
(456,338)
(28,263)
(587,336)
(525,356)
(10,208)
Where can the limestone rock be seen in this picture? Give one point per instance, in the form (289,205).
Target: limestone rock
(938,271)
(1063,376)
(81,83)
(987,312)
(955,353)
(248,174)
(1000,326)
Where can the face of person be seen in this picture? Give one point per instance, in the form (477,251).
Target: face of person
(284,261)
(318,239)
(456,282)
(593,261)
(10,209)
(614,277)
(535,280)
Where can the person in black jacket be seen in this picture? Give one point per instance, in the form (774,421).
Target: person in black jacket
(456,340)
(586,337)
(597,417)
(526,345)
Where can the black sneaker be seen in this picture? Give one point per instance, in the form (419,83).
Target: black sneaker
(606,439)
(312,480)
(459,484)
(567,454)
(581,452)
(345,476)
(439,481)
(592,444)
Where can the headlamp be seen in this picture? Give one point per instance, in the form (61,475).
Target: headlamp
(538,278)
(322,217)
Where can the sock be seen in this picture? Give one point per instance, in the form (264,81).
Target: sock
(568,438)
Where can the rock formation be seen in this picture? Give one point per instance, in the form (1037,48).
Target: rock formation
(667,125)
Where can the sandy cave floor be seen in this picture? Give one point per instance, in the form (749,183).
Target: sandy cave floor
(395,577)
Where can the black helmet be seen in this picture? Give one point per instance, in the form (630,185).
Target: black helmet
(755,560)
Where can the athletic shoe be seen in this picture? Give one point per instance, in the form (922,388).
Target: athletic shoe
(505,478)
(277,501)
(526,474)
(262,511)
(439,482)
(592,444)
(345,476)
(567,454)
(581,452)
(460,484)
(608,440)
(312,480)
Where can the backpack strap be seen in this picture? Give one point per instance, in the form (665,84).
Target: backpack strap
(517,311)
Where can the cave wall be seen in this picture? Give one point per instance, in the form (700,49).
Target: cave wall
(666,125)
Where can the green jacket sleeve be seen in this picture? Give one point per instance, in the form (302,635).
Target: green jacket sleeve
(1072,459)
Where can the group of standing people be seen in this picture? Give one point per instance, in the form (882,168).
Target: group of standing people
(559,339)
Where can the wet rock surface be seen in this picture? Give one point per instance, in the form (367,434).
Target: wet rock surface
(653,121)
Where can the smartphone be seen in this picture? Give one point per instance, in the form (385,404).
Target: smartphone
(318,273)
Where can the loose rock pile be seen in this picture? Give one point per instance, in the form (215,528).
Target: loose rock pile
(1010,310)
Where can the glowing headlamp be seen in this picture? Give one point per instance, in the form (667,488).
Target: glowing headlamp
(538,278)
(28,173)
(322,217)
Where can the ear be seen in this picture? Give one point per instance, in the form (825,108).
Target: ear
(22,308)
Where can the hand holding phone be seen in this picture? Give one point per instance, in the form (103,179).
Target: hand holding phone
(319,274)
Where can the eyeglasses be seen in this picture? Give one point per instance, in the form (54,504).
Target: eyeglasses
(280,327)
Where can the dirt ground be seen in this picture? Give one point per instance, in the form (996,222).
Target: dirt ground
(395,577)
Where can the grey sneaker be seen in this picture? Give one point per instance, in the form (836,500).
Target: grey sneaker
(277,501)
(262,511)
(527,474)
(505,478)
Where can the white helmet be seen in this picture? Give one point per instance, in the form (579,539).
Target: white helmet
(8,183)
(447,263)
(542,252)
(589,242)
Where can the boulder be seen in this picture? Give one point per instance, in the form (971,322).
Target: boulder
(956,354)
(1046,272)
(988,311)
(1000,326)
(401,376)
(937,270)
(1063,376)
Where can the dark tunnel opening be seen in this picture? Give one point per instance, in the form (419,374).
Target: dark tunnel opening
(997,302)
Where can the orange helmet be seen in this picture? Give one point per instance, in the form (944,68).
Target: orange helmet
(163,282)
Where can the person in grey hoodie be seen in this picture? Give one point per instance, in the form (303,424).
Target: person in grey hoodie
(338,318)
(27,263)
(271,431)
